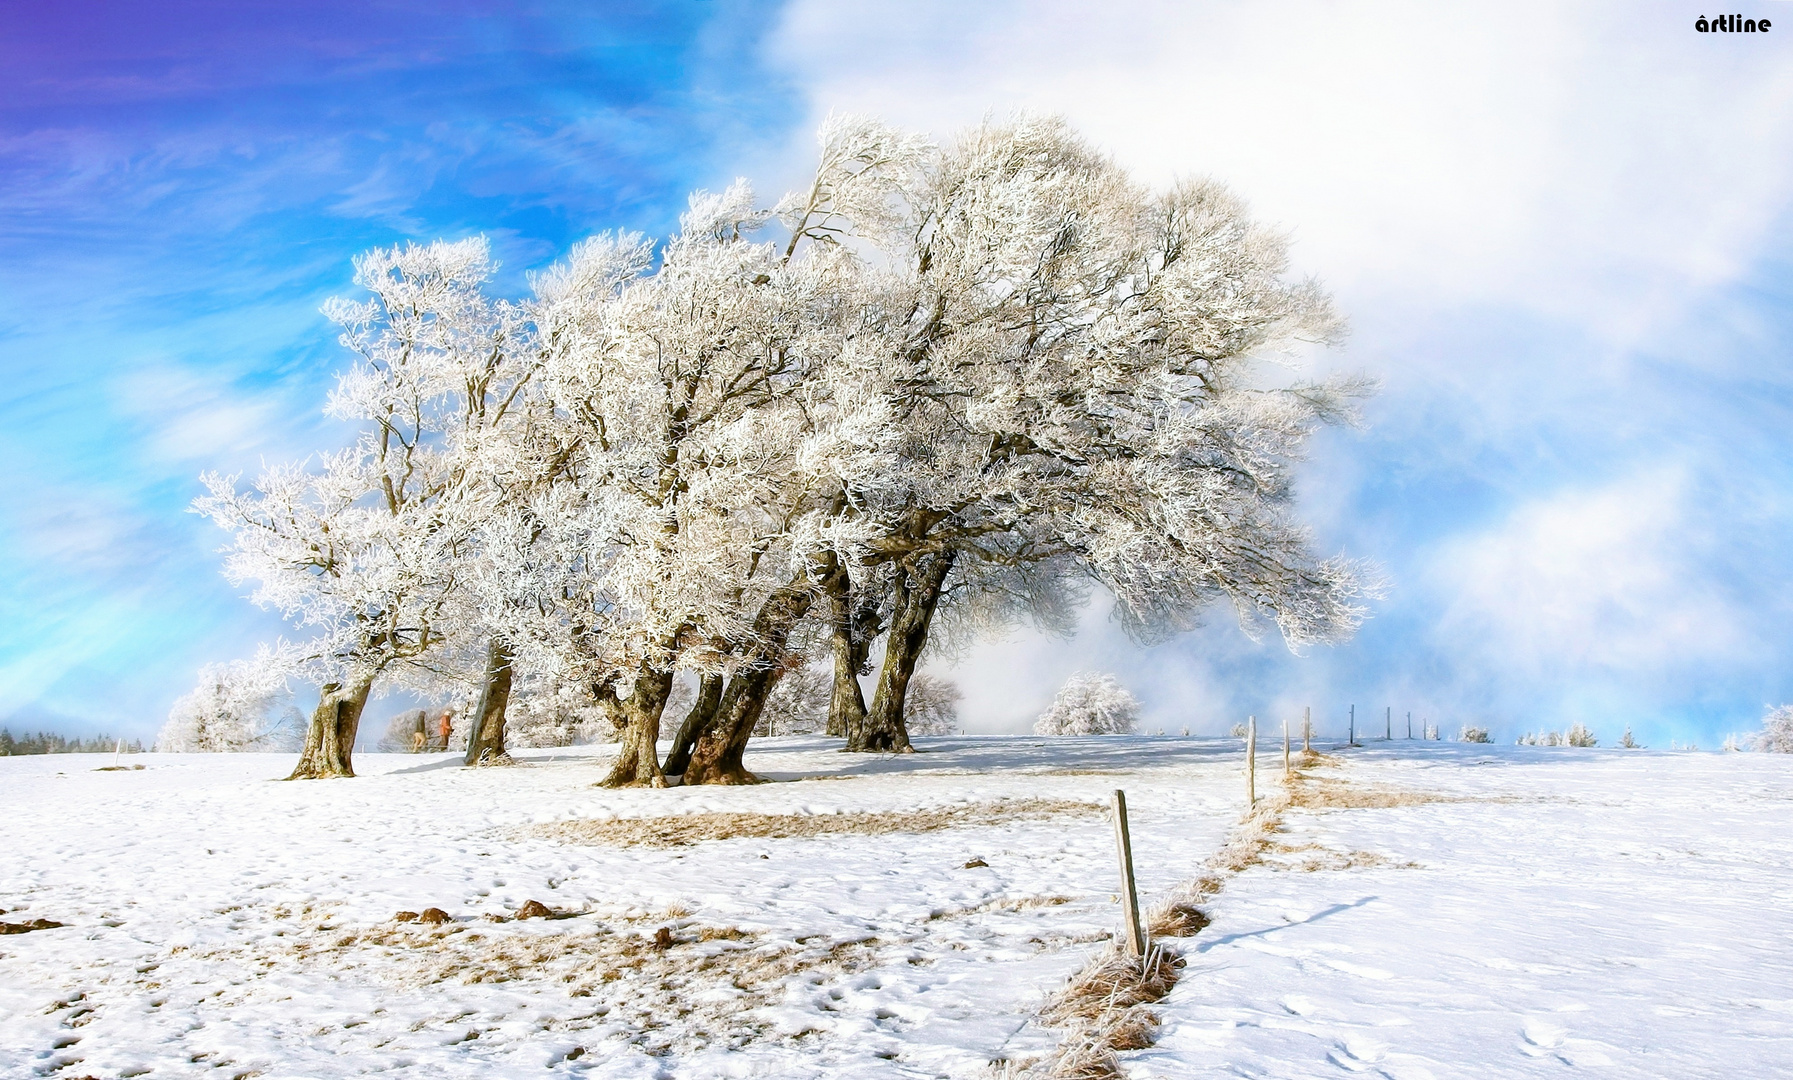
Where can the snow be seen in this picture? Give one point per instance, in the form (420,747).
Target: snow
(197,893)
(1549,910)
(1620,912)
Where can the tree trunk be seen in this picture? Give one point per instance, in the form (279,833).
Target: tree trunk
(638,759)
(485,742)
(716,759)
(330,741)
(697,721)
(851,633)
(918,590)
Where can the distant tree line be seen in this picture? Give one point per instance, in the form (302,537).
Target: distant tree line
(45,742)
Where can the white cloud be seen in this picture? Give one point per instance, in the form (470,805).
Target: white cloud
(1593,161)
(1588,581)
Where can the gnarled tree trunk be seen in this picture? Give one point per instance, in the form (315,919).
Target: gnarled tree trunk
(330,741)
(918,588)
(485,742)
(638,759)
(697,721)
(717,757)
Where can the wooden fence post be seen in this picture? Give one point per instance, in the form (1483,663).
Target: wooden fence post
(1307,729)
(1285,749)
(1136,939)
(1251,762)
(1388,724)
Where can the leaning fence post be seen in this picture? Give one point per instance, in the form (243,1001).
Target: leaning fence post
(1136,939)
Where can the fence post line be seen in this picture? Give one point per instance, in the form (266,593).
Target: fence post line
(1136,940)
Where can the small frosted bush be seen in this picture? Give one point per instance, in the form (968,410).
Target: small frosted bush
(235,707)
(1579,735)
(1090,705)
(1776,736)
(1474,734)
(932,706)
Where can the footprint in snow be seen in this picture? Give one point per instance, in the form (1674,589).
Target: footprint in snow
(1540,1038)
(1358,1054)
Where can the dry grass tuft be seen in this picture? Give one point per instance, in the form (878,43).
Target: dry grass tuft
(1316,794)
(682,831)
(1309,858)
(27,927)
(1105,1008)
(1178,920)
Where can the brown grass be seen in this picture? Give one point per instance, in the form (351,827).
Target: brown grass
(1105,1009)
(1310,793)
(1309,858)
(658,983)
(688,829)
(1106,1005)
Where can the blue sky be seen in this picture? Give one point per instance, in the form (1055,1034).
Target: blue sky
(1560,234)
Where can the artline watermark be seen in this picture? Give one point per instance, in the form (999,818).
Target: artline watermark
(1731,24)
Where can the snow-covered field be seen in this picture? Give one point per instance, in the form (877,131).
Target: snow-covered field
(1439,911)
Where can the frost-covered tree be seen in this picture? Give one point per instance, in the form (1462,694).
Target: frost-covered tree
(1776,736)
(933,706)
(240,706)
(798,703)
(1077,379)
(701,406)
(1090,704)
(364,550)
(967,383)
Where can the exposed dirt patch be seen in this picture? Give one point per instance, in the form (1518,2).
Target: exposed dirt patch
(682,831)
(27,927)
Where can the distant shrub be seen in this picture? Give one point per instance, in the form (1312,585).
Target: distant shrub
(1090,704)
(1628,742)
(1474,734)
(1776,736)
(932,706)
(1239,731)
(1577,735)
(798,702)
(242,705)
